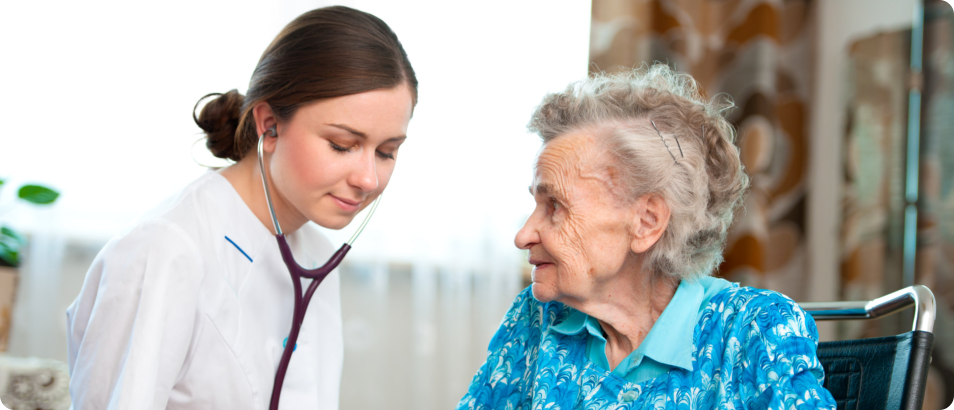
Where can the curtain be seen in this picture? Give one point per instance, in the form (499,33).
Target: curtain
(876,137)
(760,53)
(872,230)
(934,263)
(415,334)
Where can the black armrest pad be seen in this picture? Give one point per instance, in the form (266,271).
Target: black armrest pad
(882,373)
(922,343)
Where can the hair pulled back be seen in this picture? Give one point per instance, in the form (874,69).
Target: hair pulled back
(691,161)
(324,53)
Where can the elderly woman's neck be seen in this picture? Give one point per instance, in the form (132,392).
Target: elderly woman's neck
(628,310)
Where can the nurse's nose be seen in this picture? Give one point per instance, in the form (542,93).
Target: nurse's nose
(365,175)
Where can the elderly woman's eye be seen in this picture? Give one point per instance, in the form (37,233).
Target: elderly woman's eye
(556,205)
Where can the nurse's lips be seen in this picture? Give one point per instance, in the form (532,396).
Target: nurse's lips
(346,204)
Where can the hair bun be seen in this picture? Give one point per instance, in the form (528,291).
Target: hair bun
(219,119)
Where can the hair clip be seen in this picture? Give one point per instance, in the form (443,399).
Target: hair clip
(666,144)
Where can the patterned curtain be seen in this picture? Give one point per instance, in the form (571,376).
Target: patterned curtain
(935,254)
(760,53)
(874,182)
(872,230)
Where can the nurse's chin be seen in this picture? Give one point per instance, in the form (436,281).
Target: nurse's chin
(335,221)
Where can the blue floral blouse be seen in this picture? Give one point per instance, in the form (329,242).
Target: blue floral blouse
(752,349)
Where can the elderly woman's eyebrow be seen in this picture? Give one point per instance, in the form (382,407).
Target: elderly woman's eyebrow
(544,188)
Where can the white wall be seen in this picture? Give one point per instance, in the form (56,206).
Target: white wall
(840,22)
(98,98)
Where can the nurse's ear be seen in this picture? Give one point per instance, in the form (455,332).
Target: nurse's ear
(265,123)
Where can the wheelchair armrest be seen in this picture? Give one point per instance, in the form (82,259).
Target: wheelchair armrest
(918,296)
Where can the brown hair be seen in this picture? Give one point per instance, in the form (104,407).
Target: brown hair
(324,53)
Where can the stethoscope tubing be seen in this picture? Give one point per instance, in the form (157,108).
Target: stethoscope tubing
(317,275)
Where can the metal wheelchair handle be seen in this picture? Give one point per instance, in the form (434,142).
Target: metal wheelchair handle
(918,296)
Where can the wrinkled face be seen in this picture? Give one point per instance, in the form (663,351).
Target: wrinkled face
(577,236)
(335,156)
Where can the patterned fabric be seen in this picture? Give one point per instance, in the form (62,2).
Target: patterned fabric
(668,344)
(753,349)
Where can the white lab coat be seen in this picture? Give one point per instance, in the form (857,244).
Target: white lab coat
(174,316)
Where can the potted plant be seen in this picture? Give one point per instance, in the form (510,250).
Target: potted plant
(10,244)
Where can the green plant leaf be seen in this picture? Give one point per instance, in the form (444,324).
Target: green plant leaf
(9,256)
(38,194)
(6,233)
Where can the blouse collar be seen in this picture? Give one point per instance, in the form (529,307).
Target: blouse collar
(670,339)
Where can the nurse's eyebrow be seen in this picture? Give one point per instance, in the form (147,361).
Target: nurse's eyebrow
(363,135)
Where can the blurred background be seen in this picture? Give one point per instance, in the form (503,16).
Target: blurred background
(845,116)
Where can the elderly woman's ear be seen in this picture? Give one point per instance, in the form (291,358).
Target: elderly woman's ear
(650,219)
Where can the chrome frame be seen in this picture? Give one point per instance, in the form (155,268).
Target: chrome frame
(261,167)
(918,296)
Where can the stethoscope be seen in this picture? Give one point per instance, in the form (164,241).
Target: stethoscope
(297,272)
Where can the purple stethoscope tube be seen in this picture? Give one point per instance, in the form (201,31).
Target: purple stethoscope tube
(297,273)
(301,305)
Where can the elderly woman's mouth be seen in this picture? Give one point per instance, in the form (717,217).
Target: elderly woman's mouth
(539,263)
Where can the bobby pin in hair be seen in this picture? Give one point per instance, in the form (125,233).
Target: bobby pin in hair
(666,144)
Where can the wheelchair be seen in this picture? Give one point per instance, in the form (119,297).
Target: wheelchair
(885,373)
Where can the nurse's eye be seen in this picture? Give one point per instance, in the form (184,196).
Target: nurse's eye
(339,148)
(385,155)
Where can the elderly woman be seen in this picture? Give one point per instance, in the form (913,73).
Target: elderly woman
(635,187)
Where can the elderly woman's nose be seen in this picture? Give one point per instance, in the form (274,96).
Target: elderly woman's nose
(527,236)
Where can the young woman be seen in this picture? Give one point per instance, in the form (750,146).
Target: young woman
(191,307)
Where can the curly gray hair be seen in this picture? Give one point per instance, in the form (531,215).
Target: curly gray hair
(703,186)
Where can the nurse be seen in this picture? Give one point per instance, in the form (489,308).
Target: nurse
(189,308)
